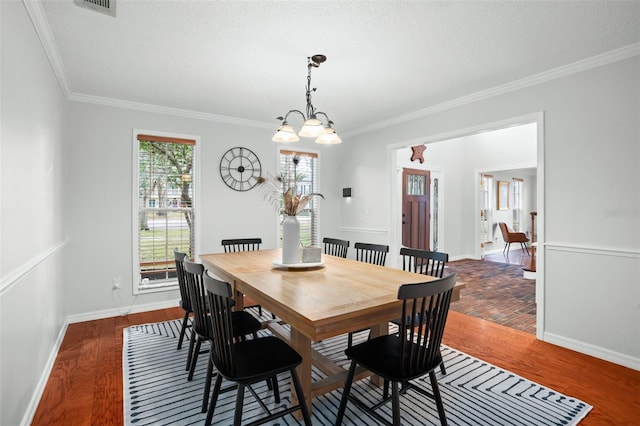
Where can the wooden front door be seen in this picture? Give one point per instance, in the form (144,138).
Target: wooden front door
(416,208)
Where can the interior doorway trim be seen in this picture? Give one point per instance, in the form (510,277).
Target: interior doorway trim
(394,205)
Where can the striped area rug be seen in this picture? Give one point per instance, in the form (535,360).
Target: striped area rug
(156,390)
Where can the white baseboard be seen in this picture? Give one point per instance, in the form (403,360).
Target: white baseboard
(595,351)
(89,316)
(44,378)
(115,312)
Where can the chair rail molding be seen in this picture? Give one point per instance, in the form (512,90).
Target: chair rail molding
(355,229)
(15,276)
(604,251)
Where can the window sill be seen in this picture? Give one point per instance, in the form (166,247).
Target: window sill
(156,288)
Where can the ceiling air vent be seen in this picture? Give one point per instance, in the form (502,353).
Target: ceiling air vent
(105,6)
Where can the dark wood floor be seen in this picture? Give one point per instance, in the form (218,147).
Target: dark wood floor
(85,386)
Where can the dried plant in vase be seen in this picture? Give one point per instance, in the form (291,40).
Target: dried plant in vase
(282,193)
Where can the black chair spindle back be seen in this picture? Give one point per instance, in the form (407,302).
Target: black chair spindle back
(335,247)
(425,308)
(424,261)
(193,277)
(371,253)
(241,244)
(221,303)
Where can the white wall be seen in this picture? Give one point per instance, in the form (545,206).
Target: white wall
(591,192)
(100,176)
(33,208)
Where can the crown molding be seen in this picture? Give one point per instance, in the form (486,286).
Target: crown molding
(549,75)
(41,25)
(36,13)
(139,106)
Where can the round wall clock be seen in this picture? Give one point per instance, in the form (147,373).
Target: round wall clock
(240,168)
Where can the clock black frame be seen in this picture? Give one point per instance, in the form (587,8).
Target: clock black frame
(240,168)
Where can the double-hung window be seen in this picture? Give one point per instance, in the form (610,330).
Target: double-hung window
(304,171)
(164,200)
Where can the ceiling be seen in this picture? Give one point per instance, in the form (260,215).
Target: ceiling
(247,60)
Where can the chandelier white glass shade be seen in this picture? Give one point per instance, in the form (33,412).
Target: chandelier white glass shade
(312,126)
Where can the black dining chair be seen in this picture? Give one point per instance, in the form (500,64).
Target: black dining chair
(185,301)
(335,247)
(232,245)
(375,254)
(400,358)
(247,362)
(424,262)
(243,323)
(241,244)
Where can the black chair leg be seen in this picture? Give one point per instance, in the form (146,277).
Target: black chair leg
(303,403)
(207,385)
(276,391)
(192,342)
(194,360)
(524,246)
(345,393)
(395,403)
(349,340)
(237,417)
(443,369)
(436,394)
(214,399)
(185,321)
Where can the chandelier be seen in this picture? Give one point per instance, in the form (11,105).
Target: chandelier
(312,127)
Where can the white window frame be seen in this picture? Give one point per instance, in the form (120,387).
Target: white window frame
(518,204)
(486,207)
(171,285)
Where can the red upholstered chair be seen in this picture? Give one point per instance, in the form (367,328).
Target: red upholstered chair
(513,237)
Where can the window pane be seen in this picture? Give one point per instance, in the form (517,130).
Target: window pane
(165,207)
(416,184)
(304,176)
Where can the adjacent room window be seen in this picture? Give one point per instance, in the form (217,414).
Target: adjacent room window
(306,180)
(518,187)
(163,203)
(486,211)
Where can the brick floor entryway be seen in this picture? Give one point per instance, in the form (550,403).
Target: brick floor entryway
(497,291)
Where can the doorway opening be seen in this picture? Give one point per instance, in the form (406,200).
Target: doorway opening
(459,159)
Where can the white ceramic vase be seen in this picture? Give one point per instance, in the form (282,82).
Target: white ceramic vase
(290,240)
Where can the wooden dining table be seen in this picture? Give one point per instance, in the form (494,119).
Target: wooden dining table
(317,302)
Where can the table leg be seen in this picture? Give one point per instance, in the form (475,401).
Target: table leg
(238,298)
(302,344)
(377,331)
